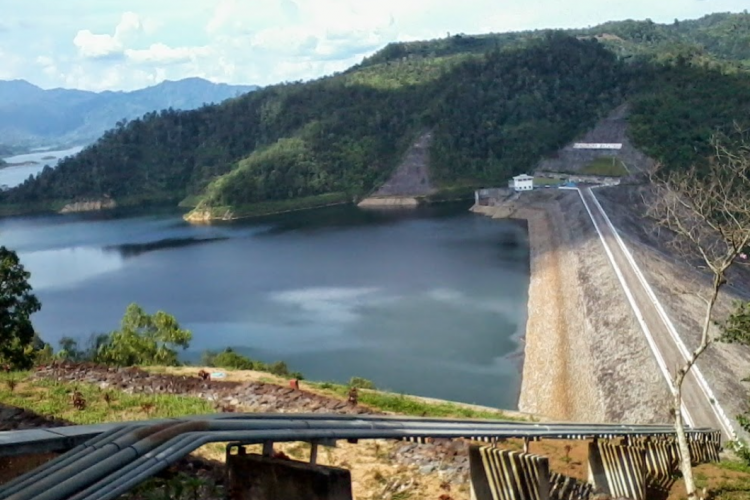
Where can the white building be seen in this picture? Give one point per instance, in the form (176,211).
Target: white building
(593,145)
(522,182)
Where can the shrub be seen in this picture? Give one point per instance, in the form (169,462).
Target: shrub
(361,383)
(228,359)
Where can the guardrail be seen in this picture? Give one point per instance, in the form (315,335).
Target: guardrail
(124,455)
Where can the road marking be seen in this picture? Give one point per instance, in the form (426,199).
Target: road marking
(702,383)
(639,316)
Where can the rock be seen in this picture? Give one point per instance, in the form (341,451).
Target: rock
(427,469)
(89,206)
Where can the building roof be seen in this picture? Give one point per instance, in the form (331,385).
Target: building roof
(523,177)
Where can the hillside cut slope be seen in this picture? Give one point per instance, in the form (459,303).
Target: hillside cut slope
(611,130)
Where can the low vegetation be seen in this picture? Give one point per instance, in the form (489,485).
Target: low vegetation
(546,181)
(83,403)
(407,405)
(605,166)
(230,359)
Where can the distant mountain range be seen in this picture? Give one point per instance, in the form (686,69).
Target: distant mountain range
(33,117)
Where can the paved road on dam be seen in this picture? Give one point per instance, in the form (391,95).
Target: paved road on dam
(697,397)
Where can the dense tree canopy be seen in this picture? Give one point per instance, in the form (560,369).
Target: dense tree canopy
(679,107)
(17,304)
(144,339)
(345,134)
(496,104)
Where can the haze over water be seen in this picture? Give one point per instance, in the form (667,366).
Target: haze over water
(429,302)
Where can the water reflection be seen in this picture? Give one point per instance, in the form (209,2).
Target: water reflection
(66,266)
(136,249)
(431,302)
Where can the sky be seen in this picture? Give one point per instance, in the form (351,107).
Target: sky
(124,45)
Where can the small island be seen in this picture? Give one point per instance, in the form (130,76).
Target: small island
(19,164)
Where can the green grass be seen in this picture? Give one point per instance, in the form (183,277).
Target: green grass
(405,405)
(54,399)
(735,466)
(546,181)
(451,193)
(605,165)
(280,206)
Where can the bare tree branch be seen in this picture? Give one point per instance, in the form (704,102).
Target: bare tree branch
(706,211)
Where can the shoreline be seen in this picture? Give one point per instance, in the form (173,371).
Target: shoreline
(553,383)
(585,356)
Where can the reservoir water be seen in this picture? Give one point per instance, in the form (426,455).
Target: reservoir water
(429,302)
(31,164)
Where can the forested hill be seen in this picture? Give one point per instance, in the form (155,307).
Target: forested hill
(341,136)
(721,37)
(495,103)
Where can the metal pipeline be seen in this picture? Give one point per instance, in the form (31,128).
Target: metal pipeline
(215,427)
(93,459)
(63,460)
(298,429)
(167,454)
(138,451)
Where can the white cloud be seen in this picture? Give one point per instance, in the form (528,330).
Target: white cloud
(94,46)
(91,45)
(266,41)
(327,304)
(160,53)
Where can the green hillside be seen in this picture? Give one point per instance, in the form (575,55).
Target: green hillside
(496,104)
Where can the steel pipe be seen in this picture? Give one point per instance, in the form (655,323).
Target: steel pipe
(130,454)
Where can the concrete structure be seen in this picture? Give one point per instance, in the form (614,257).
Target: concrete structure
(598,145)
(255,477)
(522,182)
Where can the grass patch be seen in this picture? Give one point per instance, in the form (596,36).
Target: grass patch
(405,405)
(52,398)
(452,193)
(734,466)
(605,165)
(278,206)
(546,181)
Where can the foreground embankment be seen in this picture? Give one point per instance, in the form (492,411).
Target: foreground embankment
(584,357)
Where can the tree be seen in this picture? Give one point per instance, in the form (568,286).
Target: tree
(228,358)
(707,211)
(736,330)
(17,304)
(70,350)
(144,339)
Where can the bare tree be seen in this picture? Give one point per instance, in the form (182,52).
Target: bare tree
(707,210)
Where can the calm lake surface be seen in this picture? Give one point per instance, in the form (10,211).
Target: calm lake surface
(13,176)
(429,302)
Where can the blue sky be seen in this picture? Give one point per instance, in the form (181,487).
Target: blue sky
(124,45)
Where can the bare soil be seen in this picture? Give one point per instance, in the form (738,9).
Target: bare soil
(412,176)
(612,129)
